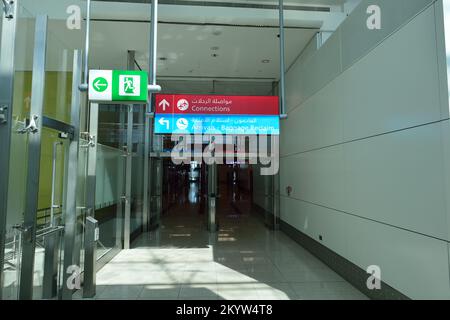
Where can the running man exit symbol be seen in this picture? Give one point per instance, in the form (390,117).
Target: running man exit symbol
(129,85)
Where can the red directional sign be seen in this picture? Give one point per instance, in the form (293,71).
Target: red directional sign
(215,104)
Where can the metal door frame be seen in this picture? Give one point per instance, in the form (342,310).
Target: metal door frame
(7,64)
(128,170)
(212,197)
(34,130)
(71,177)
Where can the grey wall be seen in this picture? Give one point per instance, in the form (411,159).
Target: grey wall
(365,147)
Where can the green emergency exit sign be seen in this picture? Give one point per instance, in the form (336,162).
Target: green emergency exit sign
(118,86)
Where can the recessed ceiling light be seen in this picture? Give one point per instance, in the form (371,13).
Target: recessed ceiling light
(214,55)
(214,48)
(163,58)
(265,61)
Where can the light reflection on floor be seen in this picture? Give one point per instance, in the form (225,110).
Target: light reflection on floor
(243,261)
(260,264)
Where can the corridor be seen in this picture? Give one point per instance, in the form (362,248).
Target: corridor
(224,150)
(244,261)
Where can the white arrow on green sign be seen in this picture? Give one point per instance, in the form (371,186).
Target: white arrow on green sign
(100,84)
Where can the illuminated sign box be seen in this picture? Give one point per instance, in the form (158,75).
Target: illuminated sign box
(118,86)
(213,114)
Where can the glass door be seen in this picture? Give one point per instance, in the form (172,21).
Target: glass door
(39,230)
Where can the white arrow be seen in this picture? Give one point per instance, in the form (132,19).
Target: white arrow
(97,85)
(164,104)
(165,122)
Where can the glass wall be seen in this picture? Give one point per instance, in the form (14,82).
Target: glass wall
(112,152)
(66,33)
(57,106)
(108,207)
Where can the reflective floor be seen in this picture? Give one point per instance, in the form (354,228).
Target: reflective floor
(244,260)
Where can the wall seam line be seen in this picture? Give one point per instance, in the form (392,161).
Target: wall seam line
(364,138)
(368,219)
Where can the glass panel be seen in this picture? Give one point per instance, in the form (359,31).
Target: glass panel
(18,155)
(110,165)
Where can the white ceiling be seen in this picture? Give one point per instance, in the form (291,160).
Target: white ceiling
(286,2)
(185,38)
(188,49)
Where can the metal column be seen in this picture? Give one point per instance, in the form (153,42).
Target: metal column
(34,130)
(120,184)
(8,41)
(92,159)
(54,206)
(212,198)
(71,178)
(50,279)
(127,198)
(90,180)
(157,163)
(149,114)
(90,253)
(281,90)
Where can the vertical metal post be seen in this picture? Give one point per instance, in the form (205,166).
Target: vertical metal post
(52,203)
(158,188)
(34,159)
(120,183)
(71,178)
(282,93)
(91,238)
(92,159)
(212,197)
(127,222)
(148,139)
(84,85)
(50,279)
(8,42)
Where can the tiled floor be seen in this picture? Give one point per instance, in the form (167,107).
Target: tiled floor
(244,260)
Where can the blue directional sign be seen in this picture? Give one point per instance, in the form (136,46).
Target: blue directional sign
(217,124)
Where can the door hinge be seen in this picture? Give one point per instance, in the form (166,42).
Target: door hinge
(3,114)
(31,127)
(125,199)
(8,9)
(90,139)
